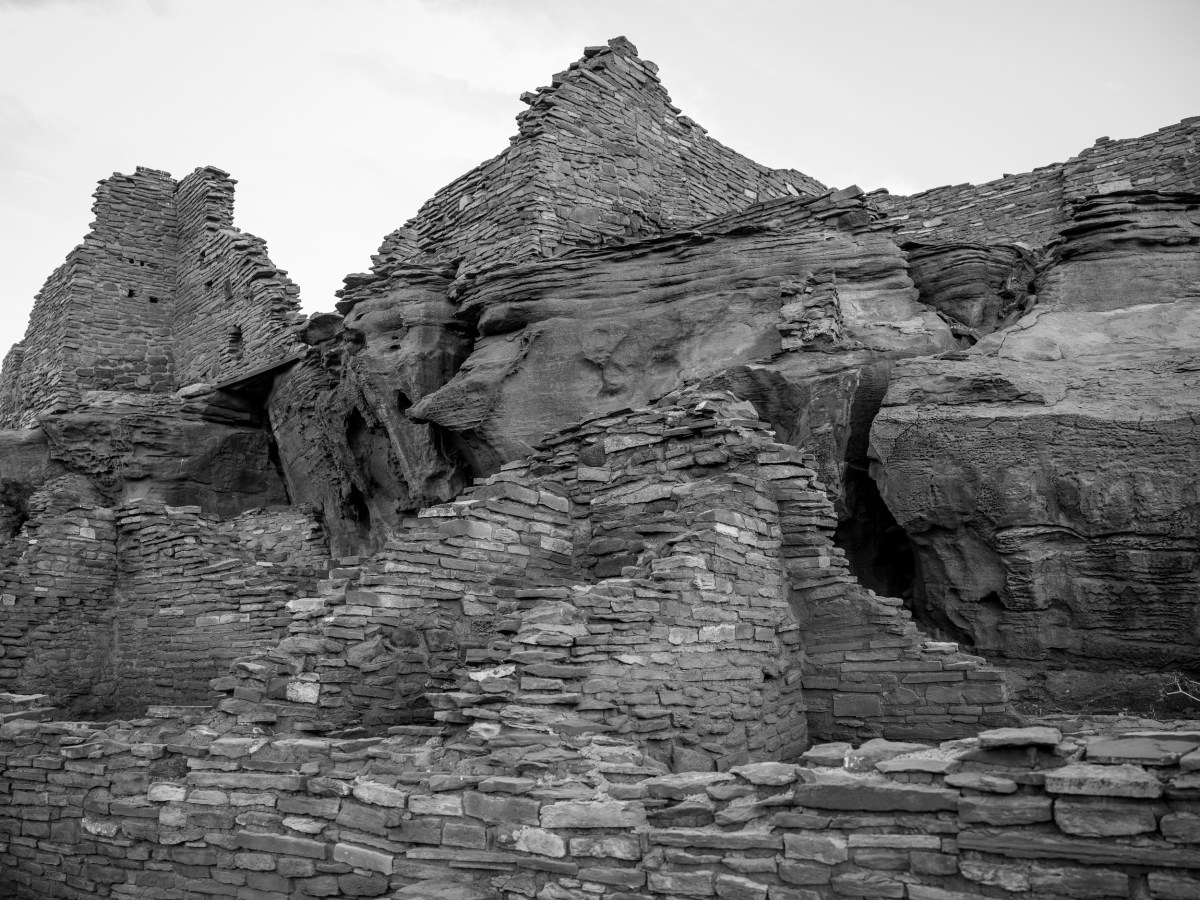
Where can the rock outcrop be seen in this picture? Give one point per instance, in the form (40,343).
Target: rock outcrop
(1048,475)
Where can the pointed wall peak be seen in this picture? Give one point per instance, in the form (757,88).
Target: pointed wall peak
(601,155)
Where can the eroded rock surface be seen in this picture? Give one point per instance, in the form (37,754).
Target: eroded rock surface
(1048,476)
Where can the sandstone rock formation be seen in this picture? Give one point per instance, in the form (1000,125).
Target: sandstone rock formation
(631,470)
(1047,476)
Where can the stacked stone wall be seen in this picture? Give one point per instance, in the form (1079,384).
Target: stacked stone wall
(698,554)
(113,609)
(162,278)
(119,323)
(868,670)
(101,322)
(42,383)
(692,652)
(602,154)
(196,593)
(1162,161)
(57,579)
(383,632)
(235,309)
(11,399)
(154,809)
(1032,206)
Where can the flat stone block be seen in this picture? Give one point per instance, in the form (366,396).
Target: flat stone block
(1035,735)
(1023,809)
(1083,883)
(829,849)
(497,808)
(379,794)
(281,844)
(1006,876)
(875,796)
(1181,827)
(831,755)
(865,758)
(1103,781)
(686,884)
(978,781)
(768,773)
(592,814)
(1103,816)
(1145,751)
(363,858)
(866,706)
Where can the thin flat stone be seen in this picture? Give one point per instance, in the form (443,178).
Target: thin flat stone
(1103,781)
(832,755)
(977,781)
(1146,751)
(768,773)
(935,761)
(1037,735)
(876,750)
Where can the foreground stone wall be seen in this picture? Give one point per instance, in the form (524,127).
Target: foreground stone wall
(158,809)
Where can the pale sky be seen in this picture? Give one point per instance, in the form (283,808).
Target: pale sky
(339,119)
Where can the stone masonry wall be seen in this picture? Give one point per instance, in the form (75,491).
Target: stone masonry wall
(196,593)
(119,324)
(692,653)
(10,384)
(868,670)
(57,579)
(1032,206)
(162,277)
(112,609)
(102,320)
(234,309)
(156,809)
(384,631)
(40,383)
(721,542)
(572,179)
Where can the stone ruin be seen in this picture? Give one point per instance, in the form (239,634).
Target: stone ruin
(647,523)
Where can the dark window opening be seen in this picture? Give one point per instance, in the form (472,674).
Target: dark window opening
(208,285)
(236,342)
(153,299)
(131,293)
(402,402)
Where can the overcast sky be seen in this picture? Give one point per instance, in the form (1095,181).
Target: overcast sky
(340,118)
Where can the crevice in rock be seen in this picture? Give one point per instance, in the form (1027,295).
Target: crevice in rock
(878,551)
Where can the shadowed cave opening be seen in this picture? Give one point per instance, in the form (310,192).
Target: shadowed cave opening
(879,553)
